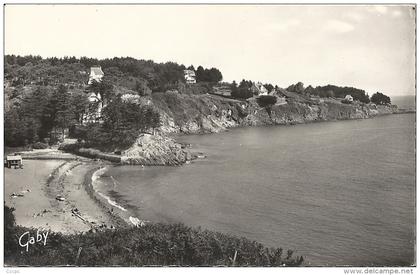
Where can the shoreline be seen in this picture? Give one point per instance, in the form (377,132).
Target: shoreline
(118,220)
(99,213)
(57,195)
(240,126)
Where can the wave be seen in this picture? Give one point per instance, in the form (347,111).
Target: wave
(114,181)
(98,174)
(111,202)
(96,179)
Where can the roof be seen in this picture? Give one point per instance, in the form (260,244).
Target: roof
(96,70)
(94,96)
(189,72)
(14,158)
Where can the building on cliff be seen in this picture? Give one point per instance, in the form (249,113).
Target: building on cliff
(96,74)
(189,76)
(95,99)
(258,89)
(349,98)
(94,114)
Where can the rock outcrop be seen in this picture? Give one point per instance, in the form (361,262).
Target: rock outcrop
(155,150)
(196,114)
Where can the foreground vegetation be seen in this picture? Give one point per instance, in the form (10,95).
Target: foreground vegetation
(153,244)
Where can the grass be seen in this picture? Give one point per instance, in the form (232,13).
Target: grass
(151,245)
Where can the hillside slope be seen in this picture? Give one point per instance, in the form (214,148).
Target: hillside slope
(192,114)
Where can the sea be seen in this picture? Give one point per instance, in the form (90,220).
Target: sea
(338,193)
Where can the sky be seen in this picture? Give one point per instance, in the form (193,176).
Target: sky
(371,47)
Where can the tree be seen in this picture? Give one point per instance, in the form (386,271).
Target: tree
(123,122)
(35,114)
(208,75)
(104,88)
(234,85)
(329,93)
(64,114)
(80,104)
(142,88)
(200,73)
(380,99)
(266,100)
(309,90)
(214,75)
(13,128)
(296,88)
(243,91)
(269,87)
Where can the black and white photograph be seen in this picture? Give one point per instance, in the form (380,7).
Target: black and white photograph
(218,135)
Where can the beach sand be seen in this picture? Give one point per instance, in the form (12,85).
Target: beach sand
(41,182)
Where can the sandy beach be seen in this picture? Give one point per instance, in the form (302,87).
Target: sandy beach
(54,194)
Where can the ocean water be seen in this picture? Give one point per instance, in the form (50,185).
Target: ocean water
(405,101)
(338,193)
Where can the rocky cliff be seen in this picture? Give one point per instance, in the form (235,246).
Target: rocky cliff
(193,114)
(197,114)
(155,150)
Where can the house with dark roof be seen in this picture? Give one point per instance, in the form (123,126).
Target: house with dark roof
(258,89)
(14,161)
(96,74)
(189,76)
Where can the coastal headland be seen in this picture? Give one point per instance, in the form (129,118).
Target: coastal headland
(183,114)
(132,115)
(51,173)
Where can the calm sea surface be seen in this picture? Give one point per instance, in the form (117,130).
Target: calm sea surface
(339,193)
(405,102)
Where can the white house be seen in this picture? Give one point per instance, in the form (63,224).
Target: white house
(349,98)
(94,115)
(96,74)
(15,161)
(259,89)
(94,97)
(189,76)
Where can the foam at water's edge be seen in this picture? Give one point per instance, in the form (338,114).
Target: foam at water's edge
(95,178)
(98,173)
(111,202)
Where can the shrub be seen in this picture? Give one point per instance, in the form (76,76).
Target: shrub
(40,145)
(70,147)
(241,93)
(346,101)
(10,244)
(153,244)
(266,100)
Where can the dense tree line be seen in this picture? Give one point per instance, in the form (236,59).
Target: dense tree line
(142,75)
(42,112)
(45,113)
(341,92)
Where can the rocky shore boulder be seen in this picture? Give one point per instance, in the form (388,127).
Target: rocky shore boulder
(155,150)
